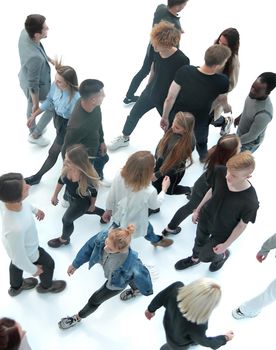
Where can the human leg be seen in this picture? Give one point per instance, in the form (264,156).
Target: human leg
(99,163)
(43,122)
(254,306)
(201,134)
(18,283)
(140,76)
(157,240)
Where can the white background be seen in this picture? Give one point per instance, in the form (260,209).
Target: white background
(107,41)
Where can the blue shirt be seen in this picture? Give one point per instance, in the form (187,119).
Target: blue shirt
(59,101)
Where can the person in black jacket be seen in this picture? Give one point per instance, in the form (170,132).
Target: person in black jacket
(188,309)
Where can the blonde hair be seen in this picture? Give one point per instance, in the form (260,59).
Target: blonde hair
(241,161)
(182,150)
(138,170)
(121,237)
(197,300)
(165,34)
(70,77)
(78,156)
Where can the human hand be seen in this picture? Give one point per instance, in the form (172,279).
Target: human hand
(260,257)
(166,184)
(71,269)
(91,208)
(39,270)
(229,335)
(30,121)
(237,121)
(195,216)
(106,216)
(219,248)
(54,200)
(103,148)
(149,315)
(40,215)
(164,124)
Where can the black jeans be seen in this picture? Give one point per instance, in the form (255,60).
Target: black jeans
(204,244)
(99,162)
(97,299)
(198,192)
(46,278)
(174,187)
(141,107)
(77,208)
(143,72)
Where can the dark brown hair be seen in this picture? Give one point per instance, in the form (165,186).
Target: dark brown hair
(34,24)
(9,334)
(11,186)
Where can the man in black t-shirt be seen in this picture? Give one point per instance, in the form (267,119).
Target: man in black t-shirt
(167,60)
(194,89)
(224,212)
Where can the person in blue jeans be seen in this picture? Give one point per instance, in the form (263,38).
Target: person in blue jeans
(121,266)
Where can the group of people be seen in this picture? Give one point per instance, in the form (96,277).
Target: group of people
(222,200)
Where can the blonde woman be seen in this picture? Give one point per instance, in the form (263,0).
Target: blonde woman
(132,195)
(188,309)
(121,266)
(81,180)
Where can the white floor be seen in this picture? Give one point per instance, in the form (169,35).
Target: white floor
(107,41)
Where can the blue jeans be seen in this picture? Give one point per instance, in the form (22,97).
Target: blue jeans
(252,147)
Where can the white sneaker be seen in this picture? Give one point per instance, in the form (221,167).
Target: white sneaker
(65,204)
(120,141)
(238,315)
(40,141)
(105,183)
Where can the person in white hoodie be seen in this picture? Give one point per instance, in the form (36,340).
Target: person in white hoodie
(20,239)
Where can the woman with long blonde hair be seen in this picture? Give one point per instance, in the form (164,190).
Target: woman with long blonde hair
(81,180)
(188,309)
(174,154)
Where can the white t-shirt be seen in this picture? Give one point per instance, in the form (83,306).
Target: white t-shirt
(19,236)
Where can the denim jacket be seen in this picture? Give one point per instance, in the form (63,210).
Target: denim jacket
(132,269)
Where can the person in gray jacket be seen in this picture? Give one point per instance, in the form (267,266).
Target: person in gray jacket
(35,72)
(255,305)
(257,112)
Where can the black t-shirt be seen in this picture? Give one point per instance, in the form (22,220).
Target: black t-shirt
(198,91)
(180,331)
(226,208)
(72,187)
(164,72)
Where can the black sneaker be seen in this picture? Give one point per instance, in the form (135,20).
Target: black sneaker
(132,99)
(67,322)
(32,180)
(56,287)
(176,231)
(153,211)
(185,263)
(215,266)
(28,283)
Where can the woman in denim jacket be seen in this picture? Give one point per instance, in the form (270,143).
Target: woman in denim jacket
(121,265)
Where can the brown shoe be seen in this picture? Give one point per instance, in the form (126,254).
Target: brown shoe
(56,287)
(28,283)
(164,242)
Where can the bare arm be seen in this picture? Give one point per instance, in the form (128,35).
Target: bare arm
(168,104)
(238,230)
(54,199)
(207,196)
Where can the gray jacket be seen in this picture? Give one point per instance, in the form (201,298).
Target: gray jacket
(269,244)
(35,72)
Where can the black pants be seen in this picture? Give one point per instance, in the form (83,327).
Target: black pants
(54,151)
(46,278)
(77,208)
(143,72)
(204,244)
(141,107)
(174,188)
(97,298)
(99,162)
(199,190)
